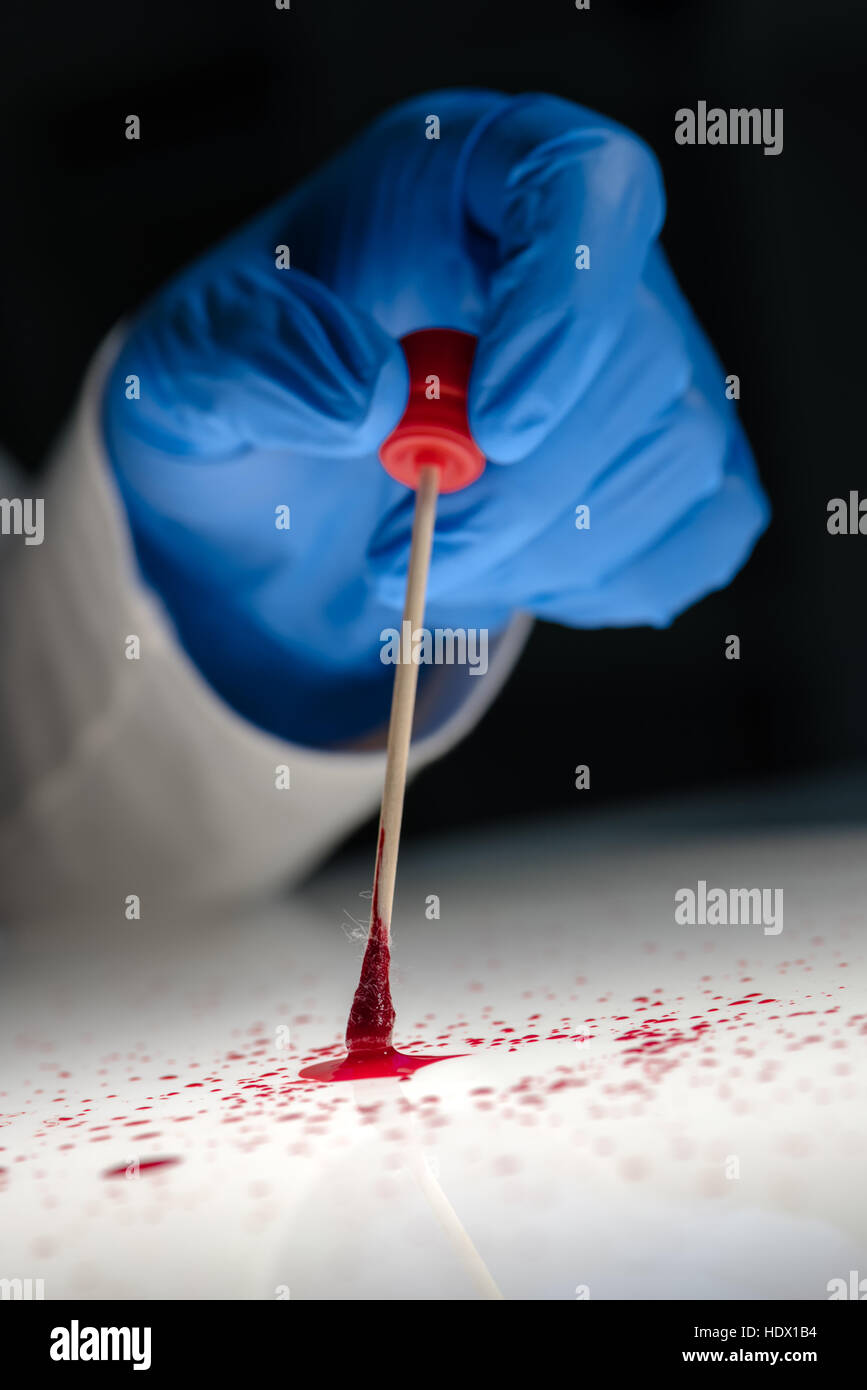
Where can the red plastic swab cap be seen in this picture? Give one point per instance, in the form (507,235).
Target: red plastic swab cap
(435,429)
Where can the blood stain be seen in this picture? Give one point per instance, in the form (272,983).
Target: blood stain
(370,1026)
(144,1165)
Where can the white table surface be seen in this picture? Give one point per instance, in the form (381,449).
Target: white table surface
(598,1160)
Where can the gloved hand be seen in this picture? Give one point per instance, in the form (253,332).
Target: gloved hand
(264,387)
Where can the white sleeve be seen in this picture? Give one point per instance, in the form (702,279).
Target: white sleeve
(132,776)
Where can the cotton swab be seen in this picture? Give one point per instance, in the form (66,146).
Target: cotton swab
(432,451)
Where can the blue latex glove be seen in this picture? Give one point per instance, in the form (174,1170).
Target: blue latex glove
(263,387)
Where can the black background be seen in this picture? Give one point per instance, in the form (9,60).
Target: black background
(239,100)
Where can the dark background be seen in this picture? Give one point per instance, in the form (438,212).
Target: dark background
(239,100)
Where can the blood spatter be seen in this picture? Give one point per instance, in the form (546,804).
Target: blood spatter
(612,1063)
(143,1165)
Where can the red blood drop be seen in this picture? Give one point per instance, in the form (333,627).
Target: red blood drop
(145,1165)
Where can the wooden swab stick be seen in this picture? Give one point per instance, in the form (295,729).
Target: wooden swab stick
(403,698)
(388,836)
(430,450)
(371,1018)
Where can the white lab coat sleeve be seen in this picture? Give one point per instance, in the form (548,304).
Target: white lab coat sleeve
(126,777)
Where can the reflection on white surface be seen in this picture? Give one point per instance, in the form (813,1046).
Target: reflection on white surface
(644,1109)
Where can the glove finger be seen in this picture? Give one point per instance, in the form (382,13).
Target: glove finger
(698,555)
(672,467)
(257,357)
(545,178)
(507,507)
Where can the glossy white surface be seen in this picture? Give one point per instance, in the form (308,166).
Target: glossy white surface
(616,1180)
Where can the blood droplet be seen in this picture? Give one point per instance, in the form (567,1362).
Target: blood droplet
(144,1165)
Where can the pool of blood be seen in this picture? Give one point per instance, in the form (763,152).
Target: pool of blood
(371,1018)
(368,1066)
